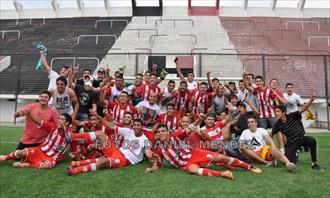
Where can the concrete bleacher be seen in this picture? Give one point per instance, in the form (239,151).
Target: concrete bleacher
(185,35)
(285,37)
(60,37)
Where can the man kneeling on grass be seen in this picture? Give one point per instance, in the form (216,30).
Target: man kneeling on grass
(173,149)
(51,151)
(253,144)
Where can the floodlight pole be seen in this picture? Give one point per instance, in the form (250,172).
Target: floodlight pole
(107,6)
(81,6)
(18,7)
(301,5)
(56,7)
(273,4)
(245,4)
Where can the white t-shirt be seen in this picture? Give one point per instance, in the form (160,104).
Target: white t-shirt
(192,85)
(254,140)
(292,102)
(115,92)
(132,147)
(52,79)
(147,113)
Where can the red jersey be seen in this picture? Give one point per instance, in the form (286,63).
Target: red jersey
(172,123)
(32,133)
(146,90)
(182,102)
(57,141)
(175,151)
(215,138)
(118,112)
(201,102)
(266,102)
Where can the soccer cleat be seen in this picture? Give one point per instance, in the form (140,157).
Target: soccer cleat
(255,170)
(69,171)
(228,175)
(291,167)
(317,167)
(3,158)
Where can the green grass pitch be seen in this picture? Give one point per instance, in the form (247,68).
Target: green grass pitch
(166,182)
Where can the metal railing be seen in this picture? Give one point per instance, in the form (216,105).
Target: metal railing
(302,23)
(8,31)
(318,37)
(74,59)
(96,36)
(111,21)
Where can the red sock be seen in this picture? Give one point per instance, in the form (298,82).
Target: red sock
(85,162)
(12,155)
(209,172)
(238,163)
(86,168)
(83,136)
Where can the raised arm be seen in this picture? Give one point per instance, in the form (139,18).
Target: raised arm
(111,125)
(47,68)
(308,104)
(208,75)
(178,70)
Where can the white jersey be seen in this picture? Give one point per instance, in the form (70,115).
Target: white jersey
(192,85)
(147,113)
(52,79)
(255,140)
(132,147)
(293,101)
(115,92)
(62,102)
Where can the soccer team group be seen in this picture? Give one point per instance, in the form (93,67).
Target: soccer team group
(107,123)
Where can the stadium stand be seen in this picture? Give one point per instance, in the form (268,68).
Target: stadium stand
(283,36)
(60,36)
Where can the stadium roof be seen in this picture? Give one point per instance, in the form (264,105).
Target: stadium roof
(42,4)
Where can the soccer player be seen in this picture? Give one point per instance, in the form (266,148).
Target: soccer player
(253,144)
(33,135)
(180,156)
(169,118)
(291,127)
(147,89)
(191,84)
(51,151)
(201,100)
(118,109)
(136,144)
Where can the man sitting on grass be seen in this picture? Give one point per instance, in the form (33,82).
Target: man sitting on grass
(51,151)
(171,147)
(253,142)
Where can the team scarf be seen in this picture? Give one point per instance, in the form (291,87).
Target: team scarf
(40,47)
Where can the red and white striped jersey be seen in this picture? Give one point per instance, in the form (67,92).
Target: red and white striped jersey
(175,150)
(146,90)
(265,99)
(57,141)
(118,112)
(215,133)
(171,122)
(201,102)
(182,101)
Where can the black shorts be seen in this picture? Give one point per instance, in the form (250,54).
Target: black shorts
(22,146)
